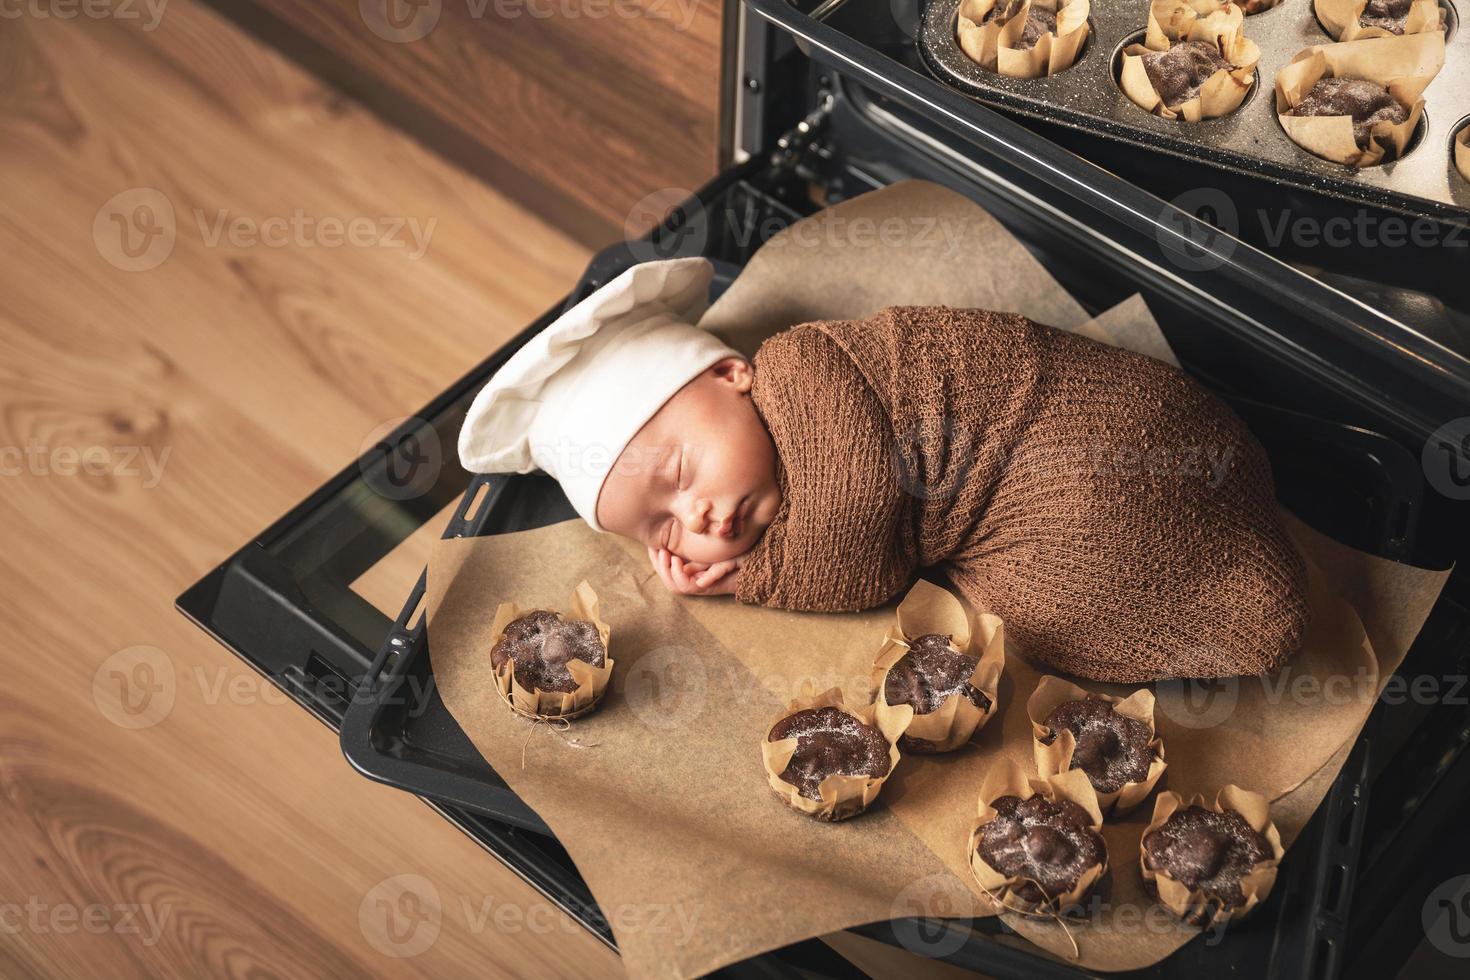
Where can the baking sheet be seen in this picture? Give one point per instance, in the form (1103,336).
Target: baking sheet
(1087,97)
(662,803)
(660,798)
(911,244)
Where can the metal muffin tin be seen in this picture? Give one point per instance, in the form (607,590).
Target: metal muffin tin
(1086,96)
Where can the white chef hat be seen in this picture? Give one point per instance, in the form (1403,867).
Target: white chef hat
(572,398)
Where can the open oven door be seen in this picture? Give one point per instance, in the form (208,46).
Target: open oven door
(1342,393)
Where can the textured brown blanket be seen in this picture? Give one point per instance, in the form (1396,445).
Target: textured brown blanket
(1119,517)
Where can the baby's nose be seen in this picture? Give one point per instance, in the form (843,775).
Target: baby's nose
(701,518)
(705,521)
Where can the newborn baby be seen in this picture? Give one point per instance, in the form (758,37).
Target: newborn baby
(1117,516)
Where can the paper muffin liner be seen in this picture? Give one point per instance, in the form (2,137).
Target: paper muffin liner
(1249,7)
(842,796)
(1404,65)
(1462,151)
(992,45)
(1007,779)
(1057,757)
(930,609)
(1171,22)
(1340,19)
(1194,907)
(591,681)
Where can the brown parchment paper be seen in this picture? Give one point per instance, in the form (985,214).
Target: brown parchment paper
(1403,65)
(911,244)
(665,808)
(1131,326)
(1340,18)
(1171,22)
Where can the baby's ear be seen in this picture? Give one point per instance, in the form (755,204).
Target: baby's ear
(736,372)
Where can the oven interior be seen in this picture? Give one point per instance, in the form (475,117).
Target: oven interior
(1324,381)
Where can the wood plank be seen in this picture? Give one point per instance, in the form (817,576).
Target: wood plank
(578,108)
(225,837)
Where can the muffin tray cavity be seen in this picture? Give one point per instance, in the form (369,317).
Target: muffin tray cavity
(1087,97)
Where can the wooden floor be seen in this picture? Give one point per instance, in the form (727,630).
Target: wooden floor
(579,115)
(150,422)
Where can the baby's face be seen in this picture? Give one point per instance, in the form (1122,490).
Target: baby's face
(700,477)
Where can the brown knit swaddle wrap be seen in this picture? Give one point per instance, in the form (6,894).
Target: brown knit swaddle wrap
(1118,517)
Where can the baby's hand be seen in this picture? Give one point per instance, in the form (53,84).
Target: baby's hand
(696,578)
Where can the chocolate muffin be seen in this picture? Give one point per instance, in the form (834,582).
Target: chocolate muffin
(829,741)
(1366,102)
(1112,749)
(1388,15)
(926,677)
(540,643)
(1206,851)
(1178,73)
(929,673)
(1045,844)
(1039,22)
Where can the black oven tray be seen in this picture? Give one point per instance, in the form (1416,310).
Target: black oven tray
(397,730)
(1338,387)
(285,606)
(1087,96)
(403,735)
(1335,389)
